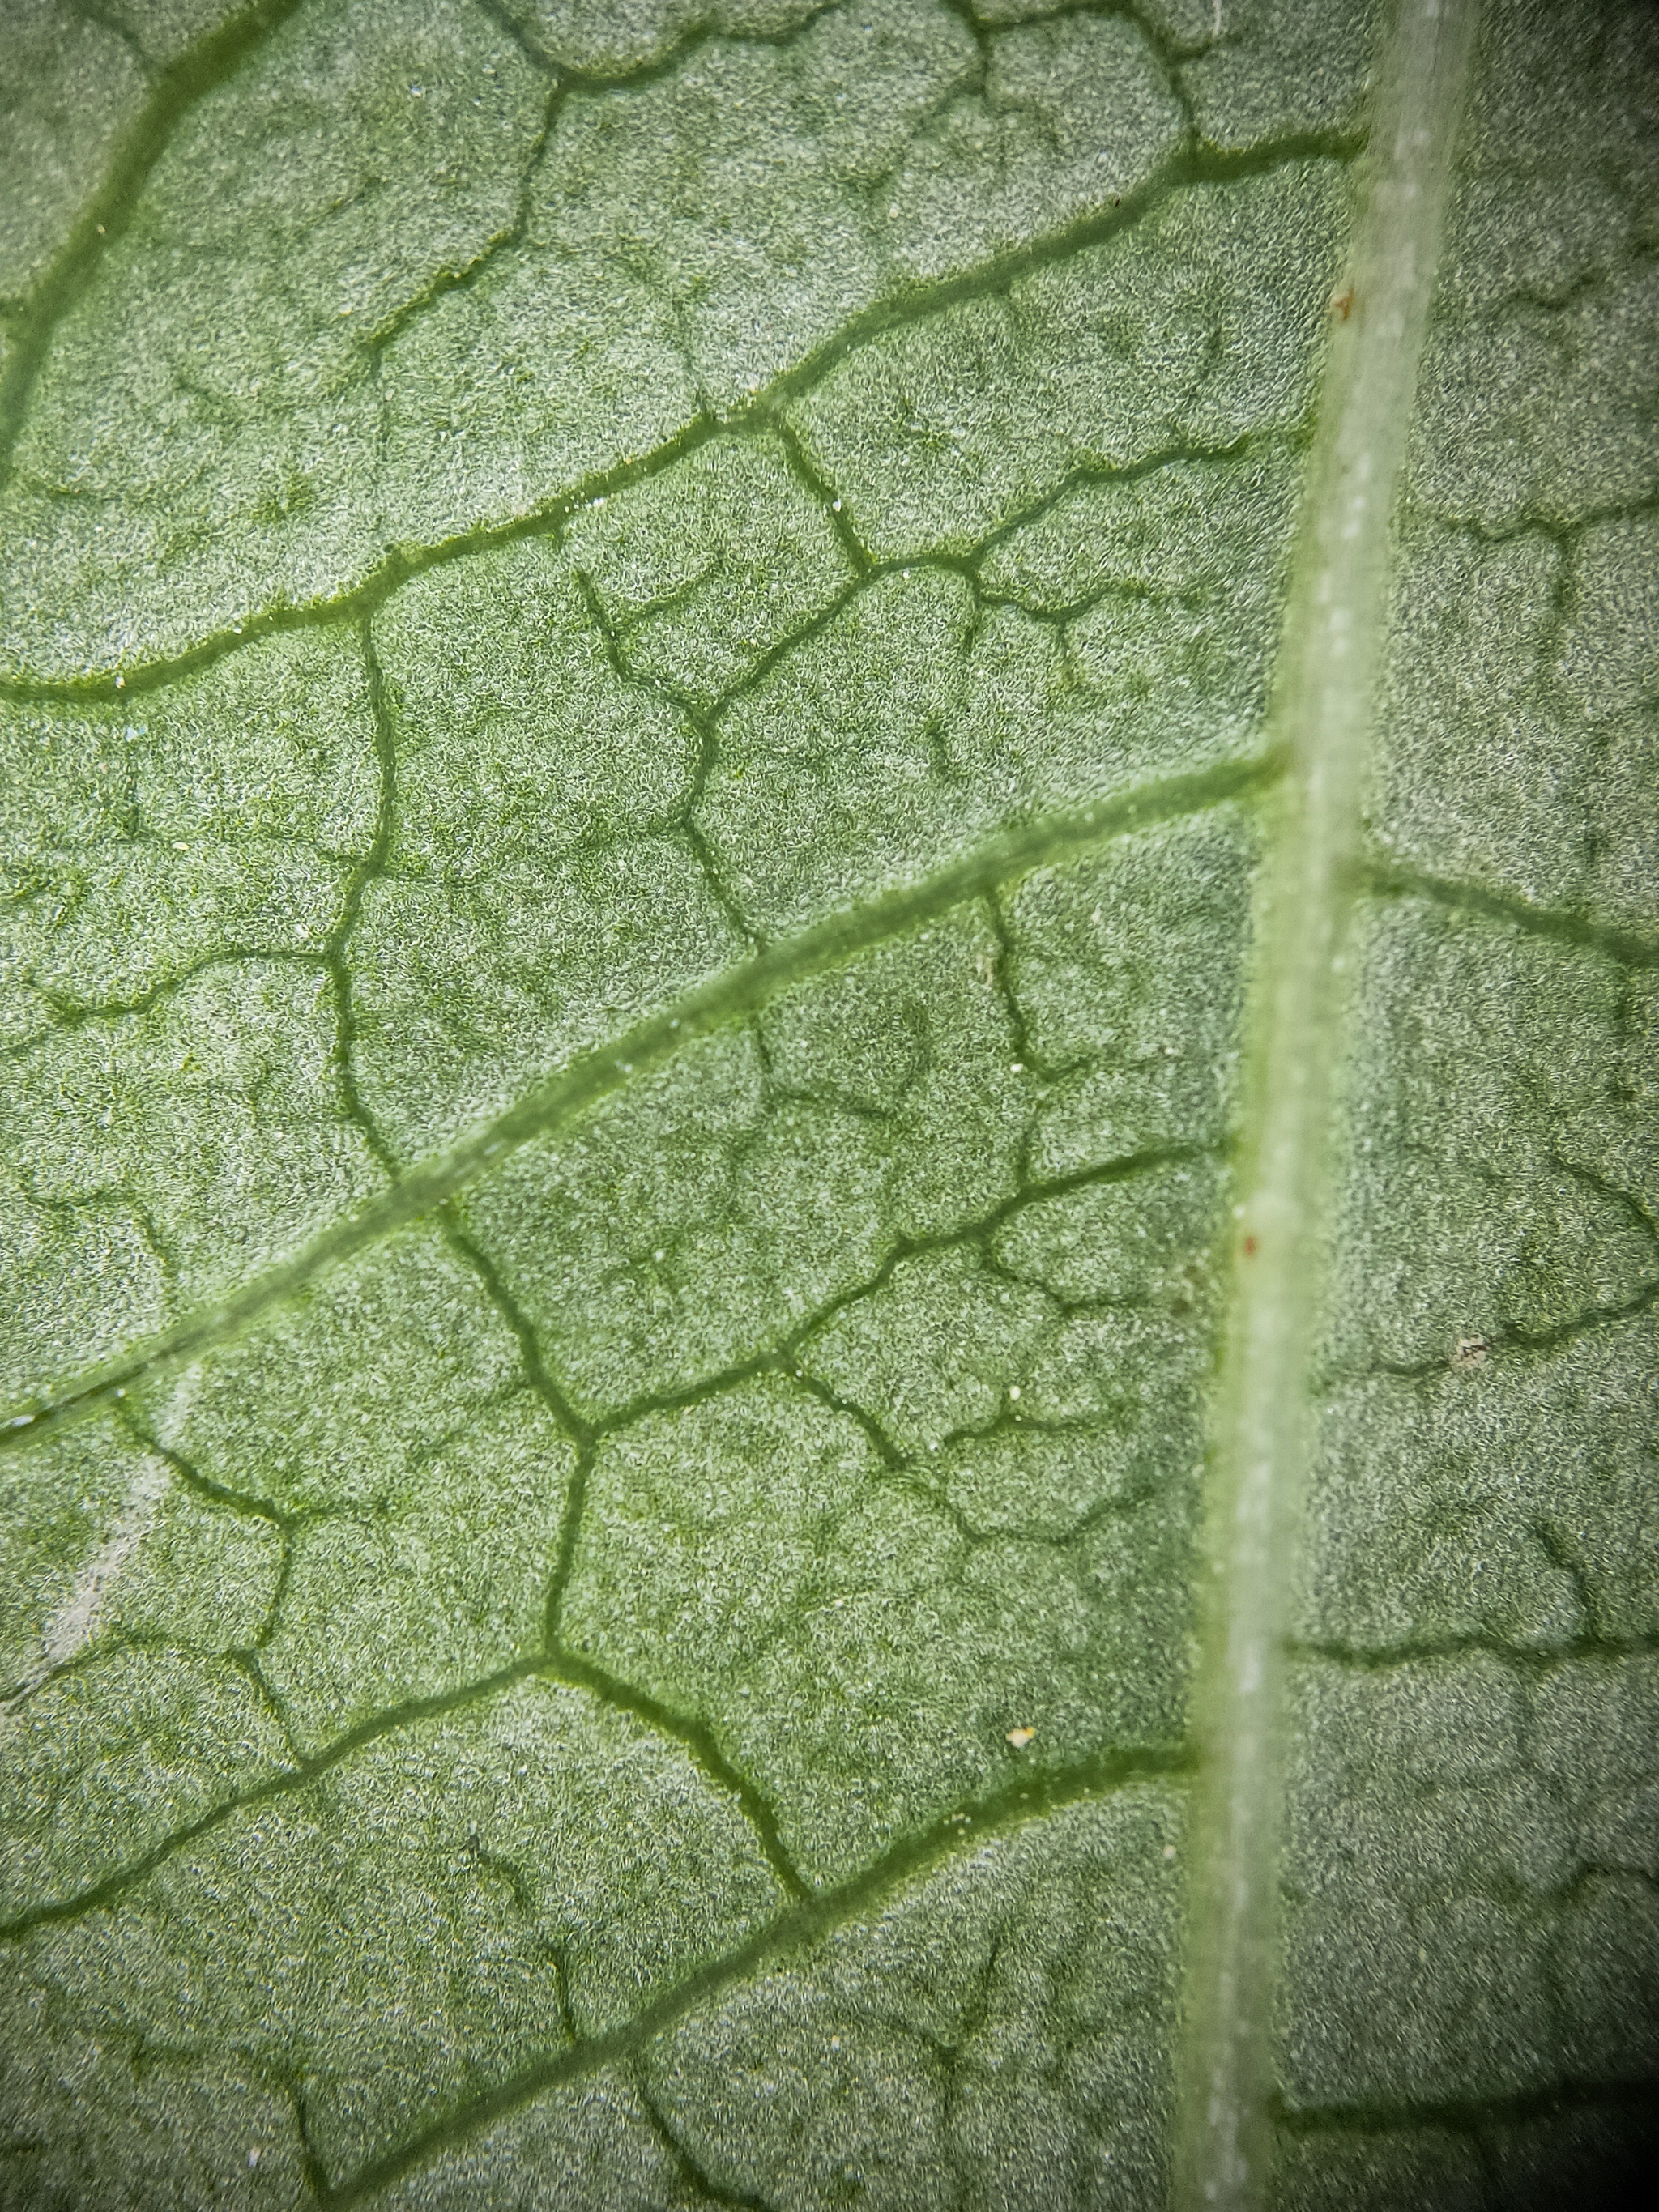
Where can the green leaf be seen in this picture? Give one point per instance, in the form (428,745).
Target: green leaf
(830,1195)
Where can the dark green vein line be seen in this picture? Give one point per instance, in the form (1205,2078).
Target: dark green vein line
(373,864)
(1386,881)
(912,303)
(402,562)
(542,1381)
(999,274)
(576,1088)
(200,69)
(1516,1343)
(1527,1659)
(559,1665)
(114,1886)
(695,2176)
(809,1916)
(802,1924)
(783,1355)
(570,1667)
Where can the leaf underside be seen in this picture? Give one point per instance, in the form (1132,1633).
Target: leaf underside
(644,814)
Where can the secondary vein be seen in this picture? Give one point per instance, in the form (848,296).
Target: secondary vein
(592,1076)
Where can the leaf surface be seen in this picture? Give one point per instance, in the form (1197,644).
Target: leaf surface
(749,1104)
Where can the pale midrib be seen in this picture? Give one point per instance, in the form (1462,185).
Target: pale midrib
(1322,717)
(578,1087)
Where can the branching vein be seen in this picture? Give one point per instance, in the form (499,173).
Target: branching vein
(580,1085)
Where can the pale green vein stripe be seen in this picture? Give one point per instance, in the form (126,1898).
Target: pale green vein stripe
(1322,712)
(580,1085)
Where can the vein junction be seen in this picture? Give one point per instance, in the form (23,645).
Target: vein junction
(717,1541)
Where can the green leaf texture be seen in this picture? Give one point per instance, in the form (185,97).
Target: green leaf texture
(830,995)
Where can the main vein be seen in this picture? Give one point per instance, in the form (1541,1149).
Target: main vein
(1322,713)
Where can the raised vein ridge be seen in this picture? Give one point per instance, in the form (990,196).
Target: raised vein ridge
(548,517)
(175,91)
(1322,720)
(580,1084)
